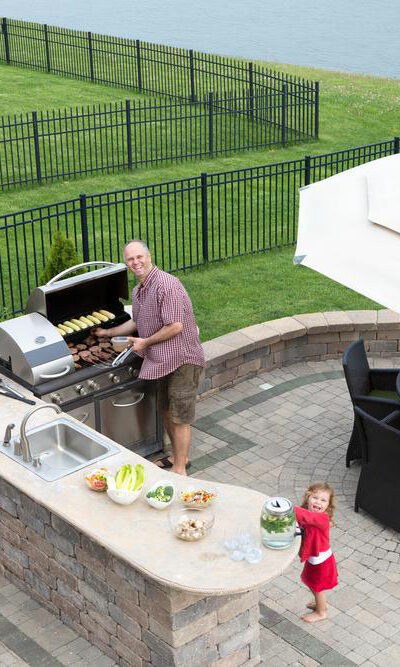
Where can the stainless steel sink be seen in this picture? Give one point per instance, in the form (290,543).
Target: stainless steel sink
(59,448)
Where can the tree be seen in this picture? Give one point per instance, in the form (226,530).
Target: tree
(62,255)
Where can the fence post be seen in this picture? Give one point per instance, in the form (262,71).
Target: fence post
(36,145)
(307,173)
(317,109)
(284,113)
(204,217)
(84,228)
(210,122)
(90,56)
(139,65)
(251,91)
(46,42)
(396,148)
(191,64)
(128,132)
(6,43)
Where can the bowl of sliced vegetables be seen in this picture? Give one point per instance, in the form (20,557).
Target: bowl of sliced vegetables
(161,494)
(197,497)
(96,479)
(127,484)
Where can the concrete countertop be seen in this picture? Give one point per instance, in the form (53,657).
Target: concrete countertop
(139,534)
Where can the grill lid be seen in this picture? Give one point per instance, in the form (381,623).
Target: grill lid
(61,299)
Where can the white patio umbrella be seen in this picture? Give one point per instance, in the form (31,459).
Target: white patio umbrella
(349,229)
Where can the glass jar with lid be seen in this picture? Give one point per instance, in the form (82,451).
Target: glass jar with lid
(277,523)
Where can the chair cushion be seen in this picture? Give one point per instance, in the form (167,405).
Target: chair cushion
(385,393)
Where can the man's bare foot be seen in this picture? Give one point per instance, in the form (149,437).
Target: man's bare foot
(314,617)
(312,605)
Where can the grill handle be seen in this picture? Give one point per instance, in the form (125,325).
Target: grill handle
(128,405)
(84,418)
(56,375)
(71,269)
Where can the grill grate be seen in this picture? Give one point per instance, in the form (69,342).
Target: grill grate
(93,354)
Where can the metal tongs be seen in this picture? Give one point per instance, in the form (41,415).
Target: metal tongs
(122,357)
(6,390)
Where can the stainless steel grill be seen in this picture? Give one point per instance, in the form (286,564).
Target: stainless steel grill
(73,368)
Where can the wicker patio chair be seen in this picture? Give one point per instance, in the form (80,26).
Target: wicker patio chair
(371,389)
(378,490)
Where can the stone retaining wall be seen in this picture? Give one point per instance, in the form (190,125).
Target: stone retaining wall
(311,337)
(134,620)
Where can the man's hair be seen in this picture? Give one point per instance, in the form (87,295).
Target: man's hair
(142,243)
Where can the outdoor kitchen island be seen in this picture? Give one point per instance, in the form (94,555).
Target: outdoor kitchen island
(118,575)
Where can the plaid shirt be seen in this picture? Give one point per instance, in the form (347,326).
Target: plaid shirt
(161,299)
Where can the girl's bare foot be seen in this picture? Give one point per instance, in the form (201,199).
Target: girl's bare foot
(311,605)
(314,617)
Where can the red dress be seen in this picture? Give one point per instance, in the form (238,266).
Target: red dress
(314,545)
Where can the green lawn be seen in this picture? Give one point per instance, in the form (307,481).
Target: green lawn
(248,290)
(354,110)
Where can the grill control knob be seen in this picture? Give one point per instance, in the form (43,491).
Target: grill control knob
(56,398)
(114,378)
(133,372)
(80,390)
(93,385)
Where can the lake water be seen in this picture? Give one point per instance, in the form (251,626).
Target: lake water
(349,35)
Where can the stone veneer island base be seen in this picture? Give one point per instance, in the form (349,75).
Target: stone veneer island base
(119,576)
(133,619)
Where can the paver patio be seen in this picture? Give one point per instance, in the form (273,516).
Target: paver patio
(276,433)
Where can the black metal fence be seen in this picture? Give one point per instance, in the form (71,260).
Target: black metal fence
(48,145)
(150,68)
(186,222)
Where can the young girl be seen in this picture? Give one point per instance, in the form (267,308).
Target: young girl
(319,573)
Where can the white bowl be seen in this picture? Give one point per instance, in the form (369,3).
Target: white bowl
(121,496)
(160,504)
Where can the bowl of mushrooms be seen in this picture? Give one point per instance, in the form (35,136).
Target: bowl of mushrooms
(191,523)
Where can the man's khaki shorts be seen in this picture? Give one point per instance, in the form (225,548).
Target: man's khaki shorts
(178,392)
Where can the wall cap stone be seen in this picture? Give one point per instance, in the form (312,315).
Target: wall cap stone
(388,319)
(287,327)
(315,323)
(364,319)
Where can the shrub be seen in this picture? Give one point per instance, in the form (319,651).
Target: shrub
(62,255)
(5,313)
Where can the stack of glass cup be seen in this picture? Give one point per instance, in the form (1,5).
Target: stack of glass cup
(243,545)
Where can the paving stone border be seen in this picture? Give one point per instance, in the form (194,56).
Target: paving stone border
(300,639)
(23,646)
(240,355)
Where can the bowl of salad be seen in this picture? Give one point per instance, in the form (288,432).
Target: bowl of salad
(97,479)
(197,497)
(127,484)
(161,494)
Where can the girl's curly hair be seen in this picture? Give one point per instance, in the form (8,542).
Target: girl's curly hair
(322,486)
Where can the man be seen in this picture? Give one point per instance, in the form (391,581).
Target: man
(168,341)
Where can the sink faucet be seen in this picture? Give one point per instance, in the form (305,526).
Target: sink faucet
(7,435)
(26,450)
